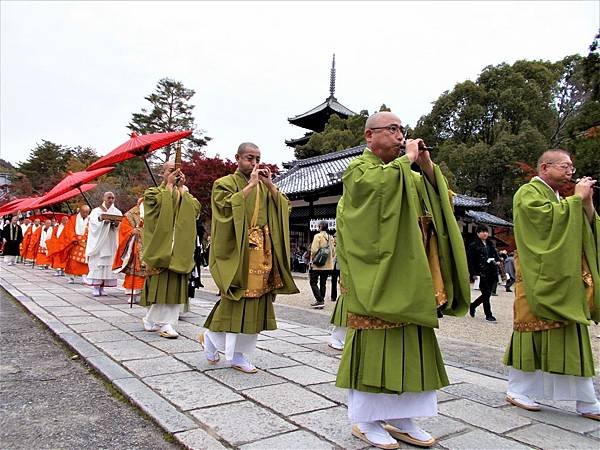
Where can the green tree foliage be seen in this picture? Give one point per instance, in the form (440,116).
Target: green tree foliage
(337,135)
(46,165)
(489,129)
(170,110)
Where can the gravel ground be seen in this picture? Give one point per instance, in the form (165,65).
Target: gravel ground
(48,400)
(464,340)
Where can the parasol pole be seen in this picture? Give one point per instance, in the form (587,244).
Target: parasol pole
(84,197)
(150,170)
(69,207)
(134,256)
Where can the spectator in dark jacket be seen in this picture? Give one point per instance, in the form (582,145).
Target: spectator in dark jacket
(483,262)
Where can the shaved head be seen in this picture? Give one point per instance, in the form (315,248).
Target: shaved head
(168,168)
(84,211)
(555,168)
(381,118)
(245,146)
(383,141)
(551,156)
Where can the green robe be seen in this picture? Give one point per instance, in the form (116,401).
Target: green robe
(169,233)
(552,237)
(385,275)
(228,259)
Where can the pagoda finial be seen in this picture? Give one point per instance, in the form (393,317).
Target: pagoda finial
(332,78)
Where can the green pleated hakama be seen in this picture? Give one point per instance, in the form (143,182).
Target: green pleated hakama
(564,351)
(165,288)
(392,361)
(247,315)
(339,316)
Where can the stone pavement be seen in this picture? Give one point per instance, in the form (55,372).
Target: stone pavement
(291,403)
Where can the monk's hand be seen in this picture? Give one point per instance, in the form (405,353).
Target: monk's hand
(412,149)
(181,187)
(584,188)
(265,176)
(424,159)
(254,176)
(173,177)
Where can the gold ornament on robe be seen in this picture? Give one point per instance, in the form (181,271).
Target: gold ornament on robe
(263,276)
(525,319)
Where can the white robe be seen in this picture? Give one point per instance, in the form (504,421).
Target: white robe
(45,235)
(101,247)
(540,385)
(369,407)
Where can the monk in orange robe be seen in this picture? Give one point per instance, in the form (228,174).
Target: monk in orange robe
(42,260)
(56,247)
(33,241)
(26,228)
(128,258)
(76,233)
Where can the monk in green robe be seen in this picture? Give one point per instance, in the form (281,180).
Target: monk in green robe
(402,259)
(170,213)
(557,291)
(249,259)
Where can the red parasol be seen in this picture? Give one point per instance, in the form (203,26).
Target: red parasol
(76,180)
(8,206)
(47,200)
(139,145)
(23,205)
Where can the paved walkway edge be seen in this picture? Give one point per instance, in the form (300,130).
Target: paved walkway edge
(158,409)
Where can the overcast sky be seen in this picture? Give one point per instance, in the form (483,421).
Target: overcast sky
(73,73)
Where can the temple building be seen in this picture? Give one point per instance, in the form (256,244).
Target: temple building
(316,118)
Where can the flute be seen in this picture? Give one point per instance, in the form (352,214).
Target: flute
(178,160)
(421,148)
(579,179)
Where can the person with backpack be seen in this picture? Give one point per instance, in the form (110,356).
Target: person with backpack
(322,253)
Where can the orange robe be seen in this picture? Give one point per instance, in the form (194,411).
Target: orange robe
(32,244)
(128,258)
(25,241)
(41,256)
(56,248)
(75,249)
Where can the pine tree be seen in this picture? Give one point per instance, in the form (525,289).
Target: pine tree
(46,165)
(170,111)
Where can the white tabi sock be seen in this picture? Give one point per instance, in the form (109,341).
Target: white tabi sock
(407,426)
(375,433)
(587,407)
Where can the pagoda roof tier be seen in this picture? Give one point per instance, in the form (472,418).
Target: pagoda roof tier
(298,141)
(316,118)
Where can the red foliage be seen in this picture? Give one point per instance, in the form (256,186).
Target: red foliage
(202,171)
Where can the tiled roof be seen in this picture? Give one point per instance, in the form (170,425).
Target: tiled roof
(464,201)
(299,141)
(332,103)
(316,173)
(487,218)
